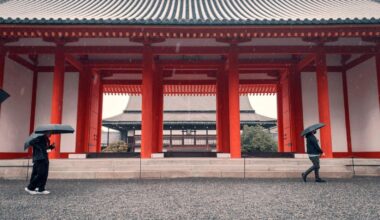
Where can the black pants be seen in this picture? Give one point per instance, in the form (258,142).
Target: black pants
(39,175)
(315,167)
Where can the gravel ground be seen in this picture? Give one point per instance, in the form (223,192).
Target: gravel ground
(356,198)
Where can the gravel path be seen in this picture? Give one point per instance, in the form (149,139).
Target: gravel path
(356,198)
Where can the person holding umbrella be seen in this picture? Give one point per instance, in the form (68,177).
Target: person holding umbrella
(314,152)
(38,179)
(41,143)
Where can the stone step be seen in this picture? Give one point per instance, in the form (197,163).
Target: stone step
(122,168)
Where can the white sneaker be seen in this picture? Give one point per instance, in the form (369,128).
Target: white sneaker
(45,192)
(30,191)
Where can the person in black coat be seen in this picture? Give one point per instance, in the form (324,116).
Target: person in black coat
(314,152)
(40,164)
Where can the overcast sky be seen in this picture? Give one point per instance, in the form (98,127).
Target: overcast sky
(264,105)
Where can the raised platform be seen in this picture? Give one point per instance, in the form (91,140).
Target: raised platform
(132,168)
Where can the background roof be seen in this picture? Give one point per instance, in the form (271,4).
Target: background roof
(193,12)
(187,103)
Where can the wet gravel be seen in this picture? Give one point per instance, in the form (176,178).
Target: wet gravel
(356,198)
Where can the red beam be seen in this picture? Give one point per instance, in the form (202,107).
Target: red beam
(358,61)
(305,62)
(121,82)
(22,61)
(50,69)
(329,69)
(197,50)
(75,63)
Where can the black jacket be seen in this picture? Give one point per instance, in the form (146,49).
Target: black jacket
(40,145)
(312,144)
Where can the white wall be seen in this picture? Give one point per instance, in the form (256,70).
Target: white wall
(364,107)
(70,103)
(309,99)
(310,107)
(337,113)
(69,114)
(15,111)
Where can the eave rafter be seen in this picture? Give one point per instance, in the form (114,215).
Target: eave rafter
(237,32)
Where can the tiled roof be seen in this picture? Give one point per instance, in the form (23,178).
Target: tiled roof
(187,110)
(190,12)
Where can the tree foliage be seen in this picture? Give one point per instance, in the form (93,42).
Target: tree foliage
(254,138)
(119,146)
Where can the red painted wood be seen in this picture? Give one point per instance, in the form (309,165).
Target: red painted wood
(100,114)
(75,63)
(94,113)
(305,62)
(296,108)
(346,112)
(286,112)
(280,119)
(33,106)
(83,88)
(234,102)
(147,103)
(356,155)
(378,73)
(323,104)
(197,50)
(358,61)
(219,112)
(57,98)
(12,155)
(21,61)
(223,112)
(160,110)
(2,65)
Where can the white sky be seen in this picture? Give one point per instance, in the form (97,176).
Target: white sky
(264,105)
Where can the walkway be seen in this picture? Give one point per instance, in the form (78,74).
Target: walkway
(355,198)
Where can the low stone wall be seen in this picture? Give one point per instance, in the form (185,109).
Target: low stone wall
(133,168)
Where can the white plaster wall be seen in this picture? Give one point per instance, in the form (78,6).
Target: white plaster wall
(43,99)
(15,111)
(309,99)
(69,114)
(337,113)
(70,103)
(364,107)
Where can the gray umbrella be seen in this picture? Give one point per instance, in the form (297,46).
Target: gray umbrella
(30,138)
(312,128)
(3,95)
(54,129)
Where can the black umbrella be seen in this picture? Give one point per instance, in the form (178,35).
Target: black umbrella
(312,128)
(54,129)
(30,138)
(3,95)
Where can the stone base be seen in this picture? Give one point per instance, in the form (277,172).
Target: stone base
(77,156)
(158,155)
(223,155)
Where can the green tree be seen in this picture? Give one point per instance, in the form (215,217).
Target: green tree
(254,138)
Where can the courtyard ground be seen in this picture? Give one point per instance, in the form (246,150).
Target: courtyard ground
(356,198)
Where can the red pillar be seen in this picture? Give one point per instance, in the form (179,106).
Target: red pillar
(347,112)
(57,97)
(223,113)
(2,65)
(219,112)
(93,116)
(280,118)
(33,106)
(160,110)
(378,72)
(323,104)
(83,111)
(147,103)
(234,102)
(100,112)
(298,144)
